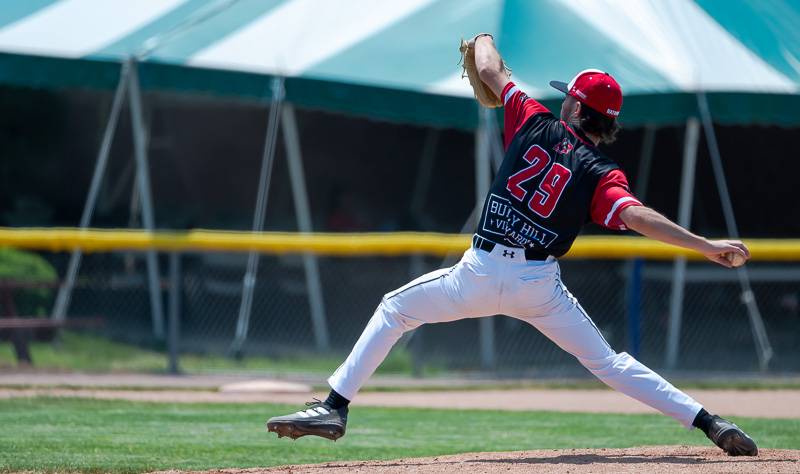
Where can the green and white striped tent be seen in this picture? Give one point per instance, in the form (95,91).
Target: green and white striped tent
(398,59)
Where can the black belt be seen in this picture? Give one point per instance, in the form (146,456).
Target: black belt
(485,244)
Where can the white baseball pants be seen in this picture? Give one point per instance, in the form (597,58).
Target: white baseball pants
(487,283)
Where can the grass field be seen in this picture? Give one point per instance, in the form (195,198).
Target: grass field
(48,434)
(89,353)
(75,352)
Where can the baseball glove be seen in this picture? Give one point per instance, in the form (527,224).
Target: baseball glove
(483,93)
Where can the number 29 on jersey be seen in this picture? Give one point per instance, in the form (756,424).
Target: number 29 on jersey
(544,199)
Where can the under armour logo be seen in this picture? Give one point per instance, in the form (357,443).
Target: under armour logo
(507,253)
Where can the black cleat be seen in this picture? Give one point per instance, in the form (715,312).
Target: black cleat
(316,419)
(730,438)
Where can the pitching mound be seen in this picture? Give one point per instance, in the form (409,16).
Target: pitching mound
(658,459)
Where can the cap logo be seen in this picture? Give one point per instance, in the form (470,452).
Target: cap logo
(612,112)
(580,94)
(564,147)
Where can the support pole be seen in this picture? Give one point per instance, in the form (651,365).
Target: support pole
(495,140)
(684,220)
(173,336)
(482,183)
(302,209)
(424,173)
(496,154)
(268,157)
(65,290)
(145,196)
(765,352)
(419,194)
(483,167)
(416,267)
(487,145)
(634,267)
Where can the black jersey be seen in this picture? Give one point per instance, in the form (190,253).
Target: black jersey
(543,193)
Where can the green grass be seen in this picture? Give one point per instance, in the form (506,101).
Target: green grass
(88,353)
(49,434)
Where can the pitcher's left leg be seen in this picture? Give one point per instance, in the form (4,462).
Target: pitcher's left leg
(568,325)
(574,332)
(565,322)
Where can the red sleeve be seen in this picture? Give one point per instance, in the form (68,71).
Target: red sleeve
(518,108)
(610,197)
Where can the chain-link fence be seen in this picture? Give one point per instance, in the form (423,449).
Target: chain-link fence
(715,334)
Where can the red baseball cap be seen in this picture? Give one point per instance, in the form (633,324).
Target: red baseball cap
(595,88)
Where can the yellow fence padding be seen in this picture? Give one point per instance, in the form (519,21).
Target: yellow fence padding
(347,244)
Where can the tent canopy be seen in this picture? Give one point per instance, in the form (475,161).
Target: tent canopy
(399,61)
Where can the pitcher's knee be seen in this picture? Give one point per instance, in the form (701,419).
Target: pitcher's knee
(614,363)
(394,319)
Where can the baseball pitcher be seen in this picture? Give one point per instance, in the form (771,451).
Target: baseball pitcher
(552,181)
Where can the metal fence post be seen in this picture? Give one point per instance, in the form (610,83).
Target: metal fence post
(173,335)
(634,299)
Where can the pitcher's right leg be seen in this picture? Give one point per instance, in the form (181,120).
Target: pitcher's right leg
(327,419)
(443,295)
(462,291)
(383,330)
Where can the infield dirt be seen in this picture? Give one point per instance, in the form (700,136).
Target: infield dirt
(653,459)
(752,403)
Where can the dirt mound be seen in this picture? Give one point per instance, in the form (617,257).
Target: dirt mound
(652,459)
